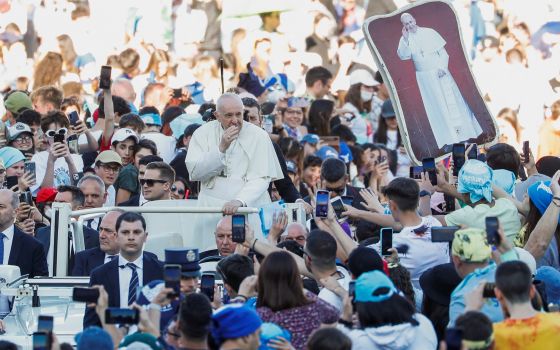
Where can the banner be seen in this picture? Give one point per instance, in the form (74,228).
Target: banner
(424,65)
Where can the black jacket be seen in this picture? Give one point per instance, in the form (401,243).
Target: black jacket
(28,254)
(285,187)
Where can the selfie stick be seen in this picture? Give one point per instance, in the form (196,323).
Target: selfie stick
(222,73)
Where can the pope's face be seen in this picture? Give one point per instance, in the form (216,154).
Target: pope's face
(410,24)
(230,113)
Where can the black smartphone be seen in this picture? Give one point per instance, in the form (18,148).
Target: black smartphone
(41,341)
(347,200)
(58,138)
(105,78)
(492,225)
(473,153)
(416,172)
(338,207)
(488,291)
(454,338)
(322,204)
(458,157)
(429,166)
(172,278)
(11,181)
(352,292)
(26,198)
(449,203)
(177,93)
(45,324)
(238,228)
(386,241)
(73,117)
(526,151)
(31,168)
(207,282)
(443,233)
(114,315)
(85,295)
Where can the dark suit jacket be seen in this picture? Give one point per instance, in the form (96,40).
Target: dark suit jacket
(91,237)
(207,253)
(285,187)
(134,201)
(107,275)
(27,253)
(89,259)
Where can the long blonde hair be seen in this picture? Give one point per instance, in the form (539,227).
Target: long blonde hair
(69,55)
(48,71)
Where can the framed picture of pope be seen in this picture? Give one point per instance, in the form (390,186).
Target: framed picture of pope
(424,65)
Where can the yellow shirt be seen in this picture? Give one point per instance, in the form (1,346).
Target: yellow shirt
(541,332)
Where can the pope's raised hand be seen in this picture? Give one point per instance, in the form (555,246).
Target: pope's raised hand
(229,135)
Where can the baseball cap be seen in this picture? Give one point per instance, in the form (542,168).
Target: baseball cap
(108,157)
(10,156)
(234,321)
(94,338)
(505,180)
(17,102)
(471,245)
(46,195)
(374,287)
(122,134)
(271,331)
(387,110)
(17,129)
(475,178)
(151,119)
(326,152)
(541,195)
(310,138)
(141,341)
(362,76)
(291,167)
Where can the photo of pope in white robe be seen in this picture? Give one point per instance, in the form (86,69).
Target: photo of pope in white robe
(450,118)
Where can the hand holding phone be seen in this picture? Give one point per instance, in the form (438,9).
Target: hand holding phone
(115,315)
(429,166)
(386,241)
(492,226)
(526,152)
(458,157)
(30,168)
(322,204)
(85,295)
(42,341)
(105,78)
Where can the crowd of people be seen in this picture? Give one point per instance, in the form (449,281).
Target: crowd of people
(236,111)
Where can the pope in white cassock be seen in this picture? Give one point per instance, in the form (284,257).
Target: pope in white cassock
(235,162)
(450,118)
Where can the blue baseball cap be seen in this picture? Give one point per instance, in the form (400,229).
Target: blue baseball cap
(151,119)
(505,180)
(541,195)
(234,321)
(326,152)
(10,156)
(186,257)
(291,167)
(475,178)
(271,331)
(94,338)
(387,110)
(374,287)
(345,153)
(310,138)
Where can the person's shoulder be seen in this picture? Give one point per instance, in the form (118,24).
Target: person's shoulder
(505,203)
(103,269)
(27,239)
(90,251)
(432,221)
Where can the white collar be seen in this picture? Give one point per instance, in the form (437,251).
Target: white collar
(9,232)
(138,262)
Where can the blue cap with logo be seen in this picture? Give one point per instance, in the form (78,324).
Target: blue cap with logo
(345,153)
(291,167)
(151,119)
(374,287)
(187,258)
(310,138)
(326,152)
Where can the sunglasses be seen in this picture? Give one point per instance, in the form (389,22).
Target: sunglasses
(338,191)
(179,191)
(151,182)
(61,131)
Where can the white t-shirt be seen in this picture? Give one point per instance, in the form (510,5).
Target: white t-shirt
(330,297)
(422,253)
(111,197)
(165,145)
(61,172)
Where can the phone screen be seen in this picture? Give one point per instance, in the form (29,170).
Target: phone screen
(45,324)
(488,290)
(72,141)
(415,172)
(443,233)
(238,228)
(526,152)
(458,157)
(73,117)
(177,93)
(115,315)
(85,295)
(172,278)
(105,78)
(454,338)
(40,341)
(30,168)
(386,241)
(347,200)
(322,204)
(473,153)
(207,282)
(429,166)
(492,225)
(338,206)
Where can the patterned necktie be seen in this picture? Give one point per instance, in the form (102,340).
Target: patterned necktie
(133,285)
(2,236)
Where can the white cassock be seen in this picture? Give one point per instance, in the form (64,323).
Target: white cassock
(450,118)
(243,172)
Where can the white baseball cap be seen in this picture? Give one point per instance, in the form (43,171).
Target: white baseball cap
(18,128)
(362,76)
(122,134)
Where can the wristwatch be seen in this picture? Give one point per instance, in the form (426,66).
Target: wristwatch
(424,193)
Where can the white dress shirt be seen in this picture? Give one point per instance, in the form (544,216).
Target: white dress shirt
(125,274)
(108,259)
(9,232)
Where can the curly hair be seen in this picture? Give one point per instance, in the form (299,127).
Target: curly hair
(401,278)
(48,71)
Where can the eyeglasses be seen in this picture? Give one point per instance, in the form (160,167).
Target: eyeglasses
(61,131)
(151,182)
(179,191)
(22,139)
(338,191)
(107,167)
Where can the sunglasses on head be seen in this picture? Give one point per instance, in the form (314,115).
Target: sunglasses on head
(61,131)
(178,190)
(151,182)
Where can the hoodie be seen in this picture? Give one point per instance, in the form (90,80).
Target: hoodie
(398,337)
